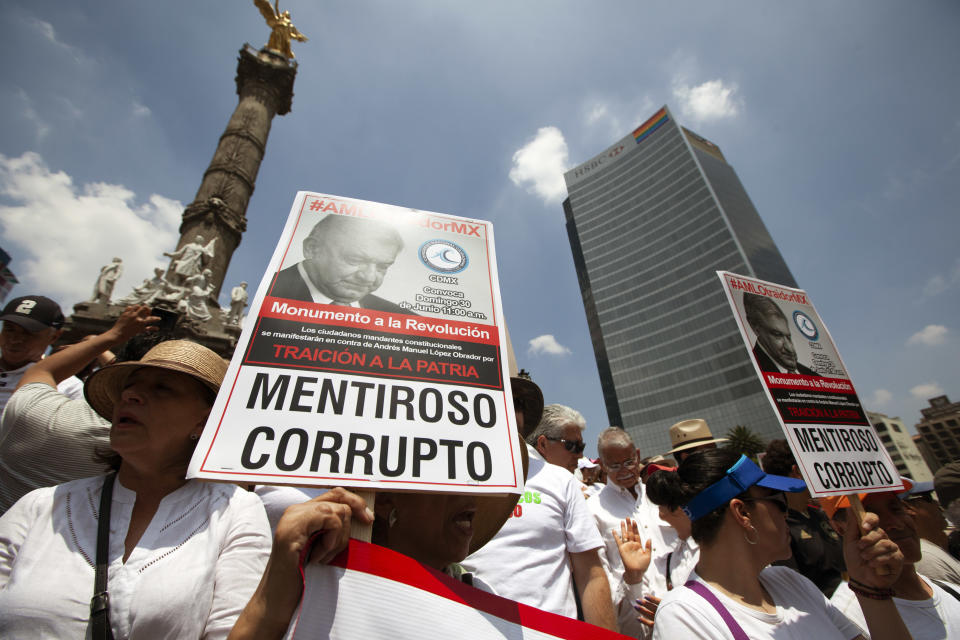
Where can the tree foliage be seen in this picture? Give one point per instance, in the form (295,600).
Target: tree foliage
(745,441)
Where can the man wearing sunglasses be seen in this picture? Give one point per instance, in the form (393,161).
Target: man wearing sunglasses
(559,436)
(550,546)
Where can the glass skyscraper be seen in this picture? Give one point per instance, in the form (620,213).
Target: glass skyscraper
(650,220)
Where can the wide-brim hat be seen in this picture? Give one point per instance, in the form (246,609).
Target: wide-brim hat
(103,387)
(688,434)
(831,504)
(494,510)
(527,391)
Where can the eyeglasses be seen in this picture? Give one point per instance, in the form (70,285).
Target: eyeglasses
(573,446)
(626,464)
(778,499)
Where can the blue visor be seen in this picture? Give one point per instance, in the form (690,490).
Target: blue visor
(740,477)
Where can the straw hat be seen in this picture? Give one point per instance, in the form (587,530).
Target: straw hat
(493,511)
(103,387)
(691,433)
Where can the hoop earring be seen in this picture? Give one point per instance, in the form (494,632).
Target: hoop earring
(749,541)
(392,518)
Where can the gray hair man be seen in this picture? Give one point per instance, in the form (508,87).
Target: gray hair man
(620,498)
(345,260)
(559,436)
(774,348)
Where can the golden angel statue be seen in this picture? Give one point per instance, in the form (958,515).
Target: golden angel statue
(282,27)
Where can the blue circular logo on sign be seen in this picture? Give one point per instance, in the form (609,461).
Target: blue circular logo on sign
(805,325)
(443,256)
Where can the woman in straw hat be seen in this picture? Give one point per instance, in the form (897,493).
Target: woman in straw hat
(435,529)
(737,513)
(140,552)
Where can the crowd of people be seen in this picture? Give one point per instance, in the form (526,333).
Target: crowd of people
(102,535)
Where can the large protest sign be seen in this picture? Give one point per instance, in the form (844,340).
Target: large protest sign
(835,446)
(371,592)
(333,384)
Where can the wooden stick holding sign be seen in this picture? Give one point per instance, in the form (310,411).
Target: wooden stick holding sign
(359,530)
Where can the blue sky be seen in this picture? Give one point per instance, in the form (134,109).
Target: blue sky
(841,120)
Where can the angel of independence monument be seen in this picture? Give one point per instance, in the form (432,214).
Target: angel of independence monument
(214,222)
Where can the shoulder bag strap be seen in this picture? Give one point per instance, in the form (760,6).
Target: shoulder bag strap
(704,591)
(945,587)
(100,603)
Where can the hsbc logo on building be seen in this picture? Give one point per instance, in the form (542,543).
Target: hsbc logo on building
(613,153)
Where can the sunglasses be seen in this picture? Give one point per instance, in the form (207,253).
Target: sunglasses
(778,499)
(573,446)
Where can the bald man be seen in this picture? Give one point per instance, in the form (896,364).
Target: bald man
(345,261)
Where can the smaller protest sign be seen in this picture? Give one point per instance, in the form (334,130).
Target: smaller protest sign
(340,599)
(836,447)
(373,357)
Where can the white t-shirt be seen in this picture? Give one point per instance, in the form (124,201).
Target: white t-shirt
(190,575)
(802,613)
(936,618)
(527,560)
(937,563)
(276,499)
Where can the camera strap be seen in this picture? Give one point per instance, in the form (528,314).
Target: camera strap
(100,603)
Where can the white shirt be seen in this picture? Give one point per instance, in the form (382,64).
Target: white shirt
(609,508)
(47,439)
(666,541)
(527,560)
(937,563)
(802,613)
(936,618)
(316,294)
(191,574)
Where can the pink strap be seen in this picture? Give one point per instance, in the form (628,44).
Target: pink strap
(704,591)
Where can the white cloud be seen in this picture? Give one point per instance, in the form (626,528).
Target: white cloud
(931,336)
(60,235)
(880,398)
(46,30)
(926,391)
(711,100)
(41,128)
(539,165)
(140,110)
(546,344)
(598,112)
(942,282)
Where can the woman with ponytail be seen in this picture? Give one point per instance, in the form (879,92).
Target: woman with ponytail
(737,517)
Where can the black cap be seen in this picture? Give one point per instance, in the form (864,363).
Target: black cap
(33,313)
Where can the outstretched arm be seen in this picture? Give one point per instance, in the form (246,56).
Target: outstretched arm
(51,370)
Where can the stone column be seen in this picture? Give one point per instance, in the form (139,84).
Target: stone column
(265,86)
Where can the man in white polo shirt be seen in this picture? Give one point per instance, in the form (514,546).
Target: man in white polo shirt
(550,542)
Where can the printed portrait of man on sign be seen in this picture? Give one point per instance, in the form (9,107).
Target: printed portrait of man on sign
(774,349)
(345,260)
